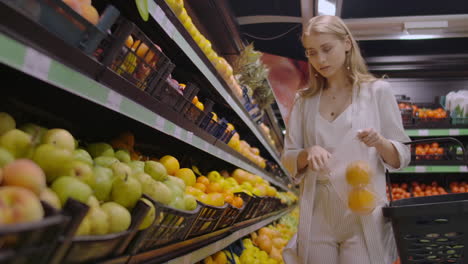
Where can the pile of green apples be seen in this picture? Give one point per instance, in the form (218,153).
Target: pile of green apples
(105,179)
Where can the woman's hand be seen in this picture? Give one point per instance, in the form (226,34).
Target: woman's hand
(370,137)
(317,158)
(384,147)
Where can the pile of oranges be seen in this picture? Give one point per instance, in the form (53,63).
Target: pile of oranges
(424,113)
(429,151)
(399,191)
(458,187)
(421,190)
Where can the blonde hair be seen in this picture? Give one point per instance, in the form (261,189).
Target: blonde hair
(357,72)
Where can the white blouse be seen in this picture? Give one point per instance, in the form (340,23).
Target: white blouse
(374,106)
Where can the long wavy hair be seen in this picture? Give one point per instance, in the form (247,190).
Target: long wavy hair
(357,71)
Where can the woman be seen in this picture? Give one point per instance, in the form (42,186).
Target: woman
(344,115)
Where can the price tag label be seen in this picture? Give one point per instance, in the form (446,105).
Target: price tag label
(156,12)
(454,132)
(423,132)
(463,168)
(159,124)
(36,64)
(190,137)
(178,132)
(114,100)
(170,29)
(420,169)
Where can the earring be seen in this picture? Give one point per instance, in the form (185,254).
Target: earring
(347,59)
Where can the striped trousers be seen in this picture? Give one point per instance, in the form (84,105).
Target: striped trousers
(336,233)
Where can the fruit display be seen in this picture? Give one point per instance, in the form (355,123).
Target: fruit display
(399,191)
(424,113)
(429,151)
(221,65)
(244,148)
(263,246)
(458,187)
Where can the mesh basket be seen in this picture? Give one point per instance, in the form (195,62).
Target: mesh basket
(131,54)
(170,225)
(25,243)
(206,220)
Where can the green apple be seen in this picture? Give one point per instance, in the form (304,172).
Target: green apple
(121,170)
(100,149)
(5,157)
(150,216)
(82,155)
(137,166)
(52,160)
(17,143)
(85,227)
(7,123)
(50,197)
(103,179)
(123,156)
(119,217)
(178,203)
(105,161)
(190,202)
(126,192)
(60,138)
(158,191)
(143,178)
(35,131)
(70,187)
(80,170)
(156,170)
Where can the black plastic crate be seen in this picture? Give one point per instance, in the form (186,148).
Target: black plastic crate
(169,226)
(431,229)
(139,61)
(431,121)
(438,151)
(32,242)
(253,203)
(230,215)
(206,220)
(89,249)
(58,18)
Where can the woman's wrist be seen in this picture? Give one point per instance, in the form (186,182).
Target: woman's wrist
(302,160)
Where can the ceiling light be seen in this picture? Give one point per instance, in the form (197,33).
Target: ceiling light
(419,36)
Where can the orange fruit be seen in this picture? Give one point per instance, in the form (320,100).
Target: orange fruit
(129,41)
(200,106)
(203,180)
(214,187)
(200,186)
(228,198)
(361,200)
(237,202)
(195,100)
(358,173)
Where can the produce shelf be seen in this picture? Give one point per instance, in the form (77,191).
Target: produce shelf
(437,132)
(434,169)
(36,64)
(164,16)
(208,250)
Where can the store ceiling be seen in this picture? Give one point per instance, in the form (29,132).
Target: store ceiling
(397,27)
